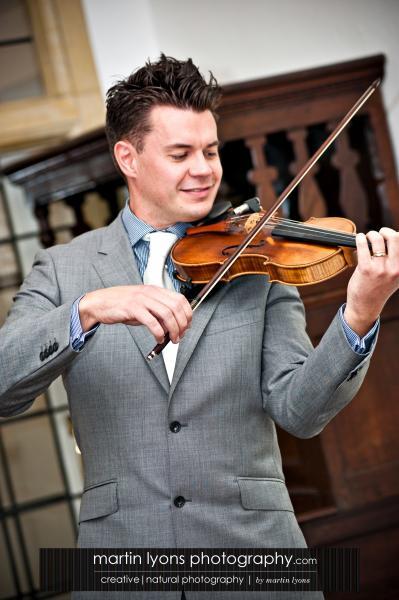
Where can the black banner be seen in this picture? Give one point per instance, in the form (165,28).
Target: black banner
(199,569)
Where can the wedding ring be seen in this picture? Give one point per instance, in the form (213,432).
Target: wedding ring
(378,254)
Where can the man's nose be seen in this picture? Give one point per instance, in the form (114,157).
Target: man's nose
(199,166)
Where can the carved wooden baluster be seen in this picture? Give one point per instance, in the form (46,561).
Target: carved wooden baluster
(262,175)
(47,237)
(109,192)
(374,179)
(76,202)
(310,199)
(384,163)
(352,197)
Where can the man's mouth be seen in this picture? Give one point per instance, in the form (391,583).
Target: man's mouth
(197,189)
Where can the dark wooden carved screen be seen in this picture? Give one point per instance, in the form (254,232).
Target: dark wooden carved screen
(269,129)
(344,483)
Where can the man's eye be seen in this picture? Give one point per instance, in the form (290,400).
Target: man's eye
(212,154)
(178,156)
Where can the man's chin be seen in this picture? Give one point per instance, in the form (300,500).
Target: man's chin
(196,212)
(199,215)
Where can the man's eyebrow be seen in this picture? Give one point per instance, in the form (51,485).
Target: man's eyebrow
(178,145)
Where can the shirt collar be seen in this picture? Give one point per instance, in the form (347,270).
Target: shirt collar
(136,228)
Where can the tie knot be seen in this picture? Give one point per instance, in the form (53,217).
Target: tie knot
(160,242)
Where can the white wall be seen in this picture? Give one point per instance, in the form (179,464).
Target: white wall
(122,36)
(240,40)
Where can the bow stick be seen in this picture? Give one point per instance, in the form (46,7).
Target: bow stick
(206,290)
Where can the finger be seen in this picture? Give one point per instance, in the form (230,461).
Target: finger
(182,312)
(363,252)
(166,318)
(176,297)
(188,311)
(177,302)
(144,317)
(159,319)
(173,309)
(146,307)
(391,238)
(377,243)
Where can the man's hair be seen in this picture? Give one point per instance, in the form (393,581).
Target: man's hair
(167,82)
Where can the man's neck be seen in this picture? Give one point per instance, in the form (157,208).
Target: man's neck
(150,220)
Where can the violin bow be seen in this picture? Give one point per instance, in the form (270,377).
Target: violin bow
(206,290)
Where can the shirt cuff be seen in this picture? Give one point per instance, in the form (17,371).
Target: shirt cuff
(77,337)
(359,345)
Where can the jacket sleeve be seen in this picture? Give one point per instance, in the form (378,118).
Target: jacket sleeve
(35,339)
(303,387)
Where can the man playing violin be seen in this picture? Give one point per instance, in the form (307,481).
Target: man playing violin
(182,451)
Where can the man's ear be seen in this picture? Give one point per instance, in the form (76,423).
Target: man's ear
(126,157)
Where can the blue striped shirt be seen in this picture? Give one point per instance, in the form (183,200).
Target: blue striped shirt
(136,230)
(359,345)
(76,335)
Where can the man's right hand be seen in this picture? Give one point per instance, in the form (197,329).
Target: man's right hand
(159,309)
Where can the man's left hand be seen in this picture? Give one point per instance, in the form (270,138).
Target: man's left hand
(375,279)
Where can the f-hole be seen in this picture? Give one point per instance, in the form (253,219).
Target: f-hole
(226,250)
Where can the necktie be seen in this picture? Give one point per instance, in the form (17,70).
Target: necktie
(156,273)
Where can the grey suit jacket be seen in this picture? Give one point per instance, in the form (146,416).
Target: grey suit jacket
(245,364)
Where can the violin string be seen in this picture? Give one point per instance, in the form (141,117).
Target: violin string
(281,220)
(328,234)
(301,227)
(300,224)
(315,232)
(318,235)
(338,241)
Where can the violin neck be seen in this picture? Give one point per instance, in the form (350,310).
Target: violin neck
(315,235)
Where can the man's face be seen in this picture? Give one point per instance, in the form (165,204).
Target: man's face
(178,173)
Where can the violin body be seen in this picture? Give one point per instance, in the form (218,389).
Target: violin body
(199,255)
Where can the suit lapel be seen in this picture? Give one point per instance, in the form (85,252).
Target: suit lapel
(116,265)
(190,340)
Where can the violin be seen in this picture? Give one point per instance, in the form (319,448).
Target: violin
(288,252)
(244,250)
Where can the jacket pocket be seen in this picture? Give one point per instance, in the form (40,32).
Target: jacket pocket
(262,493)
(99,500)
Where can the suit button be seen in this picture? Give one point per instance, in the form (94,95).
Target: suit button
(46,353)
(41,356)
(50,349)
(175,427)
(55,346)
(179,502)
